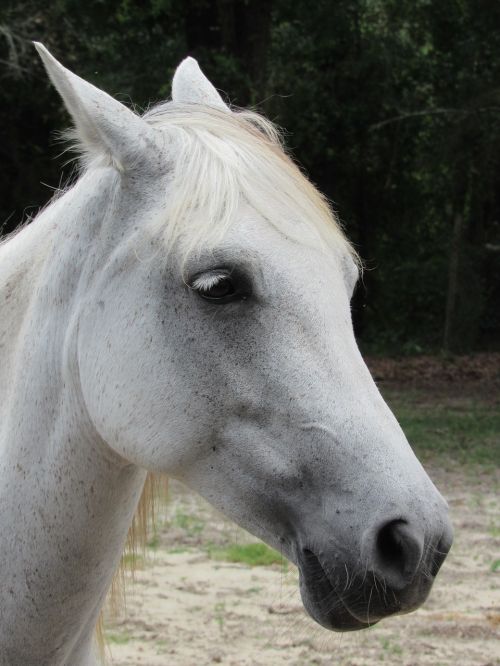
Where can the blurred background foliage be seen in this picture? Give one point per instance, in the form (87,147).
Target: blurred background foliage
(392,107)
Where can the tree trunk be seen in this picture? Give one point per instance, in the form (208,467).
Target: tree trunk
(246,32)
(453,282)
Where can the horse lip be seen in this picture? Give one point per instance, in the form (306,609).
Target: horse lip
(343,619)
(317,588)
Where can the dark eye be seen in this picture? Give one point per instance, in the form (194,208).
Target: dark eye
(217,286)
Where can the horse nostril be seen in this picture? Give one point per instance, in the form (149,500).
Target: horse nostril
(439,553)
(398,551)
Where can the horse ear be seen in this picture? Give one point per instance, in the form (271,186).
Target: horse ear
(103,125)
(191,86)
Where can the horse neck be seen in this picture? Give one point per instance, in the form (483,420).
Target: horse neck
(38,263)
(66,500)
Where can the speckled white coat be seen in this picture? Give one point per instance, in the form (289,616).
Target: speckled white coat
(111,365)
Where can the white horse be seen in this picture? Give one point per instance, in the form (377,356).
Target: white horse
(184,308)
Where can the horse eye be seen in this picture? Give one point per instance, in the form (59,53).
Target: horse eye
(221,289)
(216,286)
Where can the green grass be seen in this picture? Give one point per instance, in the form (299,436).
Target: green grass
(253,554)
(466,433)
(390,647)
(118,639)
(219,612)
(192,525)
(494,529)
(495,566)
(133,560)
(161,646)
(154,542)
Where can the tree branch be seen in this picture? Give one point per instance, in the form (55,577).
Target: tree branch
(430,112)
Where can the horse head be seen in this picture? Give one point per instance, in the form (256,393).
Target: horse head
(212,340)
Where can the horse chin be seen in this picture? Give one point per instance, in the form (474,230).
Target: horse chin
(327,607)
(353,609)
(338,619)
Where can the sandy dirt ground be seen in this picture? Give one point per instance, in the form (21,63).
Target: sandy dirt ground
(188,609)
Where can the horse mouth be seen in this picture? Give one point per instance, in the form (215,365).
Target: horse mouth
(342,602)
(323,601)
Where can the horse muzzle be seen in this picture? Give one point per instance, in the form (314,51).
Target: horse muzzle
(392,575)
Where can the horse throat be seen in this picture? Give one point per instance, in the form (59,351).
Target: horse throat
(66,499)
(66,507)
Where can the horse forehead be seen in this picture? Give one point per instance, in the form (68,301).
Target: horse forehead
(300,252)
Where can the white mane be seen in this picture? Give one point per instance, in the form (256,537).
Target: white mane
(222,160)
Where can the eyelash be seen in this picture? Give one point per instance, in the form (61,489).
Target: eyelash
(220,286)
(205,282)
